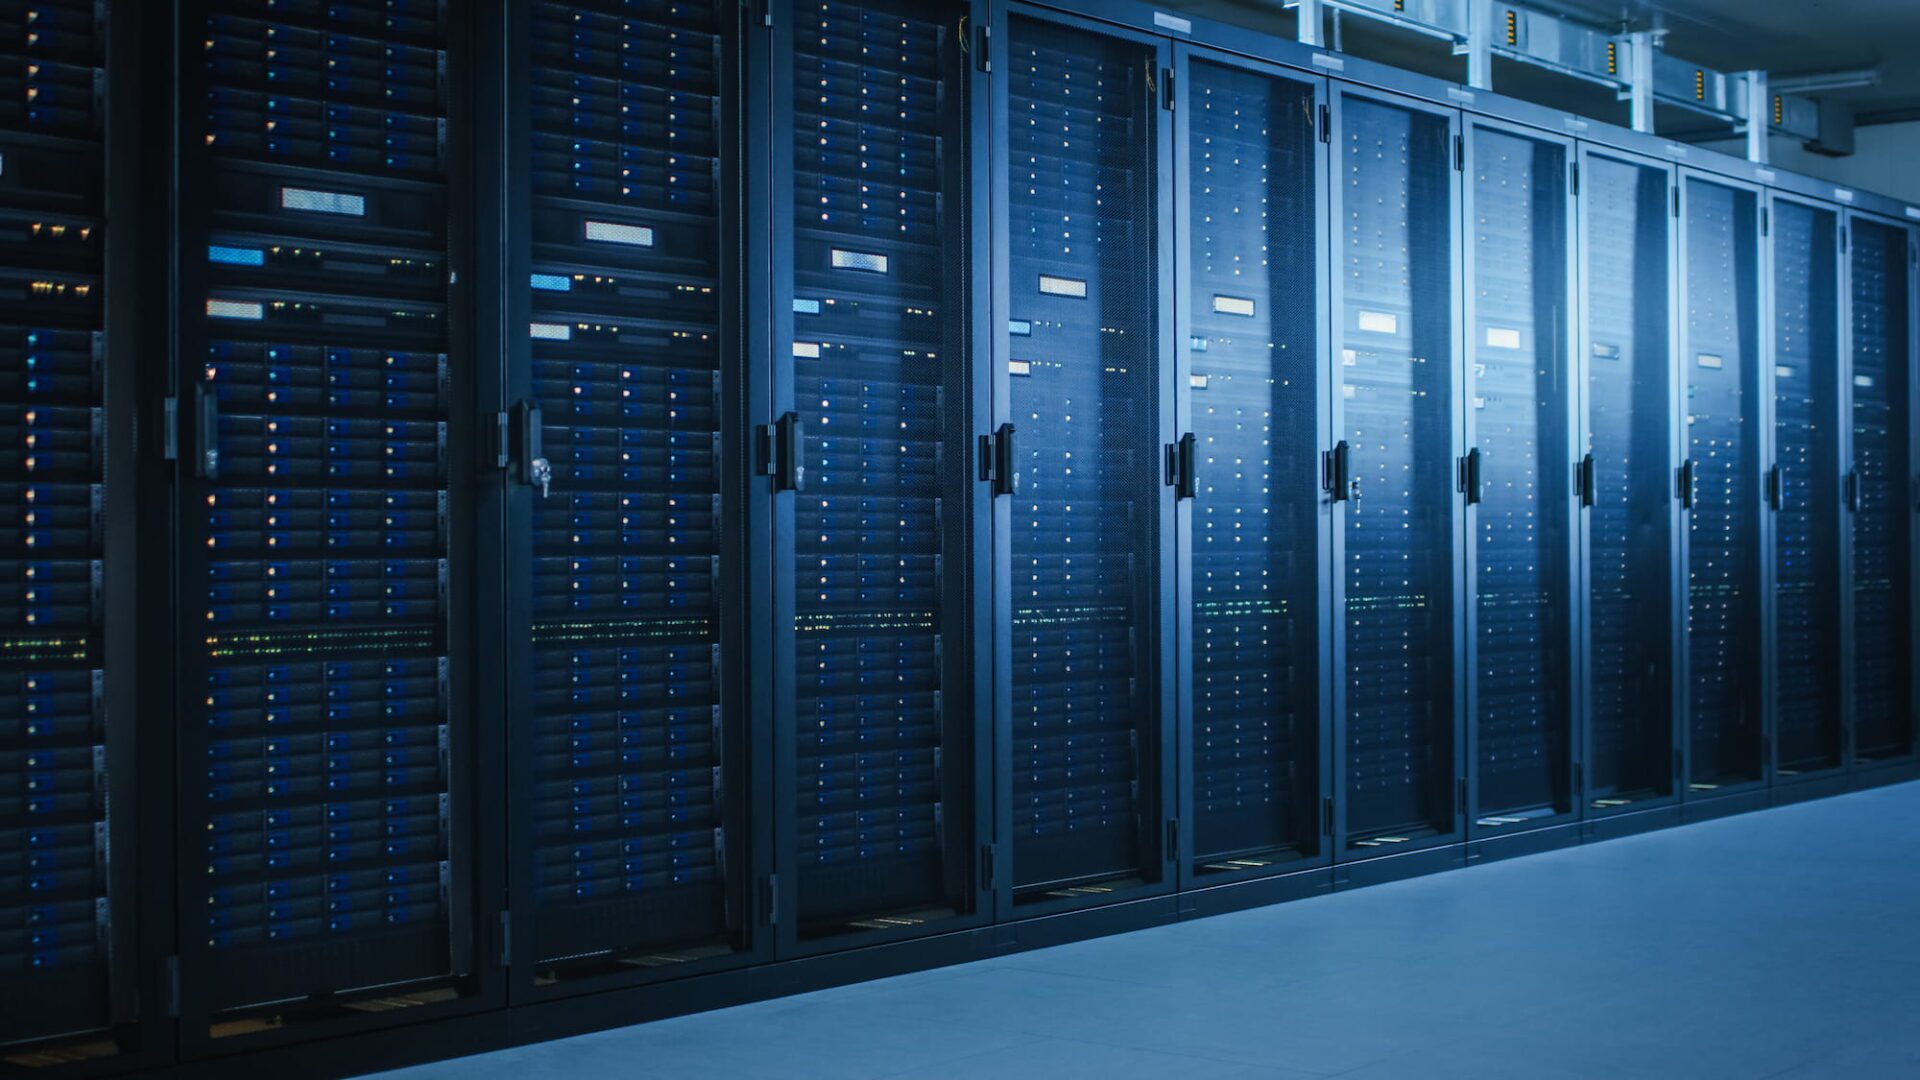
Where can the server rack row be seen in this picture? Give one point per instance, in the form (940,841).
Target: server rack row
(643,492)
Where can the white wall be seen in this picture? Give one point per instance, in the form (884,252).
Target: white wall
(1885,159)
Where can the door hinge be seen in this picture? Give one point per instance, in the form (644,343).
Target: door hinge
(1173,839)
(1326,124)
(1166,89)
(170,980)
(996,461)
(1181,468)
(780,449)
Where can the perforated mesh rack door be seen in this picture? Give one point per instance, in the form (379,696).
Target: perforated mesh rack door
(53,805)
(317,685)
(1882,531)
(879,382)
(1720,362)
(1396,265)
(1805,488)
(1518,419)
(1626,277)
(628,674)
(1253,356)
(1083,397)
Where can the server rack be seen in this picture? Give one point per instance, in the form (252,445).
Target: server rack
(1400,753)
(1519,477)
(1631,530)
(1085,605)
(1720,485)
(1804,486)
(623,439)
(64,861)
(324,524)
(1879,488)
(879,610)
(1251,242)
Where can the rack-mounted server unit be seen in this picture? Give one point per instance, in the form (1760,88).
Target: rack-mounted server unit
(326,447)
(1394,472)
(57,925)
(1251,234)
(622,440)
(1880,494)
(1089,508)
(1519,478)
(1803,490)
(872,443)
(1720,484)
(1631,522)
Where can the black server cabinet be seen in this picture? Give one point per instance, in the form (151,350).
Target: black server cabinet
(1082,385)
(1804,486)
(1720,484)
(1880,489)
(624,437)
(58,914)
(878,760)
(324,512)
(1251,186)
(1396,225)
(1519,475)
(1631,529)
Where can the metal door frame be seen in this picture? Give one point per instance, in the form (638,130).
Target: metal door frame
(1159,828)
(1184,55)
(1339,92)
(1573,616)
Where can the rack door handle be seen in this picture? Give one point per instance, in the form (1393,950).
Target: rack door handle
(1688,477)
(790,473)
(535,470)
(1776,487)
(1182,472)
(1470,476)
(206,432)
(1339,471)
(1586,480)
(1853,491)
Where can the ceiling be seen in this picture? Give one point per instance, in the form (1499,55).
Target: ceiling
(1782,37)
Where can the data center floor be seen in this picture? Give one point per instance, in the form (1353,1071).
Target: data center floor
(1778,944)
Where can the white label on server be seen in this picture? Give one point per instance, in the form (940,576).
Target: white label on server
(1172,22)
(1063,286)
(1379,322)
(807,350)
(612,232)
(1782,371)
(548,331)
(1019,367)
(1198,382)
(235,309)
(859,260)
(1233,305)
(1863,380)
(323,202)
(1502,337)
(1708,360)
